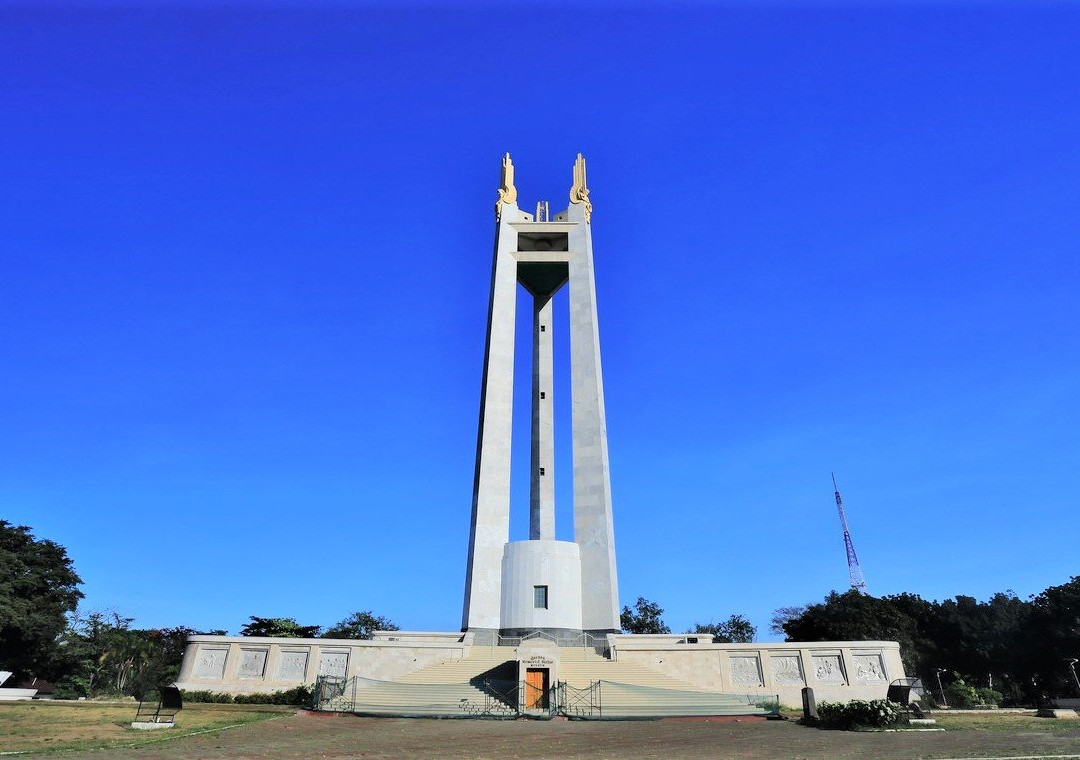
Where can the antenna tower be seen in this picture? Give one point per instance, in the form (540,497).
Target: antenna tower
(855,576)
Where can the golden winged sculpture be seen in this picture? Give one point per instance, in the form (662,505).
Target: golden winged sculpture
(579,193)
(507,191)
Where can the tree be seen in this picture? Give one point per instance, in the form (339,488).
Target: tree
(286,628)
(1054,635)
(782,616)
(854,616)
(735,630)
(38,588)
(103,654)
(360,625)
(644,618)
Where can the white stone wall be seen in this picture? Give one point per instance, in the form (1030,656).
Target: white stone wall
(244,665)
(836,670)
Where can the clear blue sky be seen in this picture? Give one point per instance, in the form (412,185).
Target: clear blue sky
(245,261)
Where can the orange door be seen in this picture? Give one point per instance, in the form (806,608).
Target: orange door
(536,686)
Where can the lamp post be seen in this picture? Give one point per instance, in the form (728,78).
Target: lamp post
(938,672)
(1072,666)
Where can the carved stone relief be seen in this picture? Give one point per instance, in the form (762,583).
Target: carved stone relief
(745,671)
(210,663)
(827,668)
(869,667)
(292,666)
(252,663)
(333,664)
(786,670)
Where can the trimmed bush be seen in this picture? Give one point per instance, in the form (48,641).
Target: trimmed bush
(301,696)
(206,696)
(858,713)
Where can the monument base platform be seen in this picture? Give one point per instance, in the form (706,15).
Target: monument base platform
(836,670)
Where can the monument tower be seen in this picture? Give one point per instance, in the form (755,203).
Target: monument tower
(559,587)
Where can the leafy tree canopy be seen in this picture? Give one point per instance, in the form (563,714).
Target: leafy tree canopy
(854,616)
(1054,624)
(360,625)
(103,654)
(996,642)
(38,588)
(735,630)
(782,616)
(644,618)
(286,628)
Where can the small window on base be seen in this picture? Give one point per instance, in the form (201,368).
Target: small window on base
(540,597)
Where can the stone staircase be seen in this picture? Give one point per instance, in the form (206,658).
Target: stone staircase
(629,691)
(457,687)
(443,689)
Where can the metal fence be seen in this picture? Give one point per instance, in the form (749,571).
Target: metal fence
(507,698)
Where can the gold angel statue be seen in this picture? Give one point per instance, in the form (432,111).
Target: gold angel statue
(579,193)
(507,191)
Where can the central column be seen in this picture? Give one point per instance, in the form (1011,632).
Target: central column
(542,479)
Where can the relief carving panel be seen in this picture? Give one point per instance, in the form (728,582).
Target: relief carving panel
(333,664)
(210,663)
(827,668)
(745,671)
(786,670)
(869,667)
(292,666)
(252,663)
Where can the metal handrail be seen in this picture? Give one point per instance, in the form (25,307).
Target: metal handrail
(583,639)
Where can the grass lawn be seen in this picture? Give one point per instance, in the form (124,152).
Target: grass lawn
(46,725)
(1017,723)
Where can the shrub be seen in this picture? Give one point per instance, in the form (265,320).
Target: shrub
(301,695)
(206,696)
(858,713)
(963,695)
(71,687)
(928,701)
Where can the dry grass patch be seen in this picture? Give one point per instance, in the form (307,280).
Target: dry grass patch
(1016,723)
(44,726)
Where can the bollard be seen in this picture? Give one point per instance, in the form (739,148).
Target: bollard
(809,706)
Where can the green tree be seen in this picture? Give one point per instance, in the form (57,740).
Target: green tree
(38,589)
(105,655)
(279,627)
(854,616)
(644,618)
(735,630)
(360,625)
(782,616)
(1054,635)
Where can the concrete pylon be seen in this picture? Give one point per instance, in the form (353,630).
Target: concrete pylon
(560,587)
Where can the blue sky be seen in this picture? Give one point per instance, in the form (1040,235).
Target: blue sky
(245,261)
